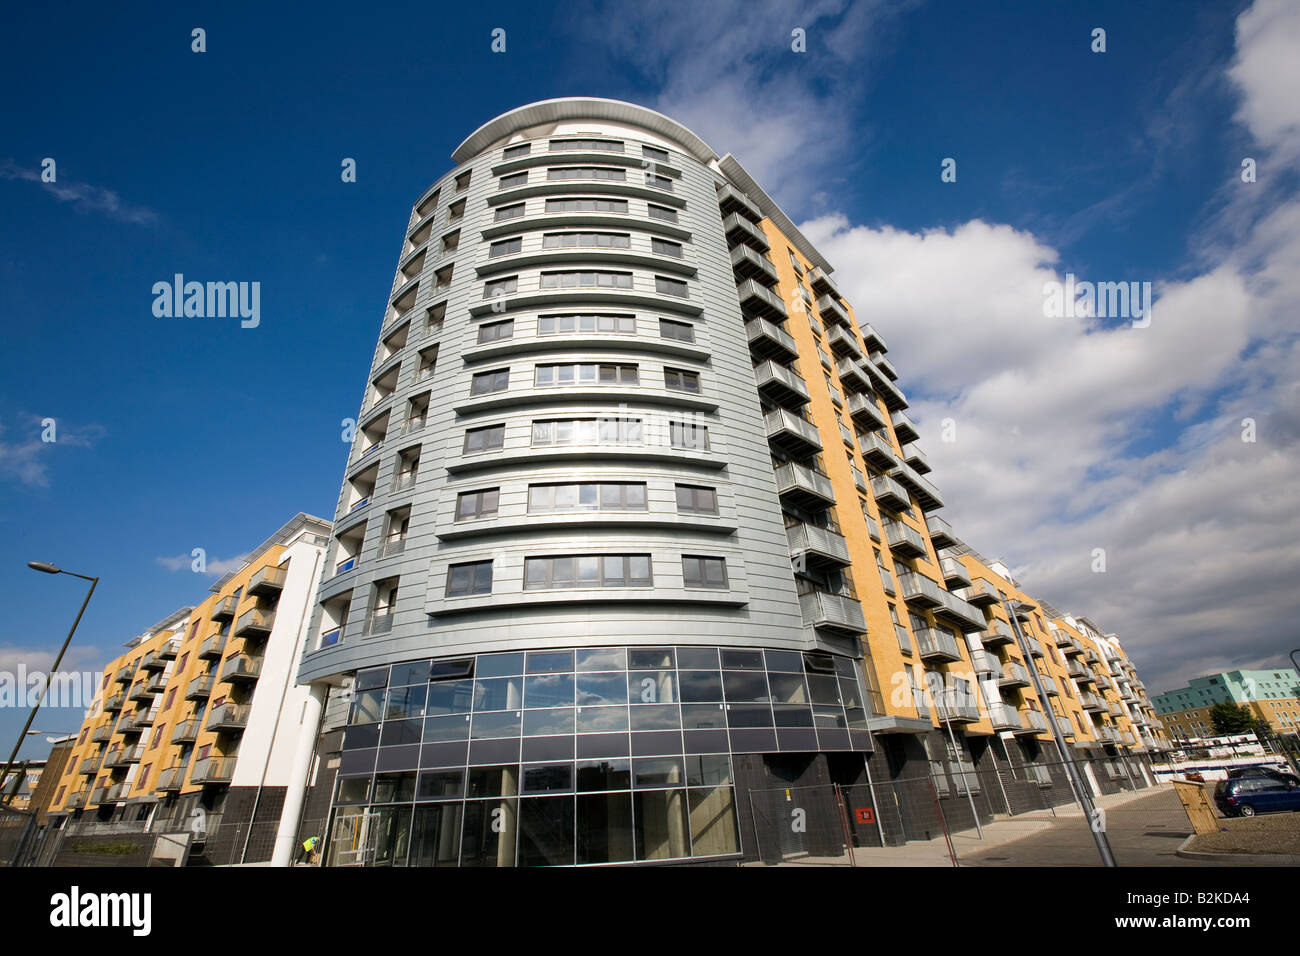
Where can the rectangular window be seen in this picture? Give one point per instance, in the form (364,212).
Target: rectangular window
(506,247)
(659,182)
(442,278)
(584,145)
(501,287)
(697,499)
(680,380)
(688,436)
(663,247)
(513,180)
(661,212)
(474,577)
(798,269)
(462,181)
(587,205)
(477,504)
(569,324)
(451,241)
(586,172)
(496,331)
(588,571)
(593,240)
(509,212)
(514,152)
(487,438)
(587,431)
(585,280)
(497,380)
(658,155)
(700,572)
(681,331)
(666,286)
(456,210)
(587,496)
(548,375)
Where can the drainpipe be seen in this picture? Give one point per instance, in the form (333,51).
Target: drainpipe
(296,791)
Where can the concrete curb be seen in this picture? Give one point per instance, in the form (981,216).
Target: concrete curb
(1249,859)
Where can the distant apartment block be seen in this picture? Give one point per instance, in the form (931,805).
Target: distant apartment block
(1273,696)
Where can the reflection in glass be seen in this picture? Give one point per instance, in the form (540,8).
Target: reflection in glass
(594,689)
(601,720)
(546,831)
(503,693)
(655,717)
(549,662)
(488,836)
(444,729)
(551,690)
(700,686)
(541,723)
(435,835)
(501,724)
(661,829)
(713,822)
(704,717)
(450,697)
(604,827)
(652,687)
(602,659)
(604,775)
(499,665)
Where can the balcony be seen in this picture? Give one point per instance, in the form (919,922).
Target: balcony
(201,687)
(916,458)
(842,343)
(1077,670)
(920,591)
(739,229)
(1091,702)
(851,376)
(1114,709)
(170,649)
(124,674)
(1065,725)
(747,263)
(134,754)
(116,758)
(241,668)
(984,662)
(904,428)
(804,487)
(186,732)
(769,341)
(904,540)
(822,284)
(889,493)
(954,573)
(833,313)
(793,434)
(102,734)
(859,479)
(1075,648)
(1004,718)
(872,338)
(392,545)
(228,717)
(935,644)
(817,547)
(114,703)
(758,301)
(173,778)
(885,366)
(211,647)
(255,623)
(865,412)
(224,610)
(76,800)
(780,385)
(732,200)
(139,720)
(1014,675)
(876,451)
(108,794)
(953,706)
(1032,722)
(927,495)
(998,632)
(151,662)
(267,581)
(941,534)
(157,684)
(982,593)
(832,612)
(1061,639)
(213,770)
(140,692)
(887,581)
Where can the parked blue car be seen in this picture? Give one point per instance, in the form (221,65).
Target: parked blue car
(1247,796)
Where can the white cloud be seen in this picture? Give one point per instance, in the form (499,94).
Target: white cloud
(26,456)
(213,567)
(83,196)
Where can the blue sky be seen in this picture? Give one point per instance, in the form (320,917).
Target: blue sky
(183,433)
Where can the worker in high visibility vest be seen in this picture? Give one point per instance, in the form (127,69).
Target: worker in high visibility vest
(308,852)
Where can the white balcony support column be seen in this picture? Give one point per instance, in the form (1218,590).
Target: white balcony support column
(286,835)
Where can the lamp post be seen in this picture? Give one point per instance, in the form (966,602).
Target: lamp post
(47,568)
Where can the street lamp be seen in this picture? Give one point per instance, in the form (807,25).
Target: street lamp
(48,568)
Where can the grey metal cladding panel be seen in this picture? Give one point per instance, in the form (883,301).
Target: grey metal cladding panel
(770,613)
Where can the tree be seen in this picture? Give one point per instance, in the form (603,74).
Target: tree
(1228,719)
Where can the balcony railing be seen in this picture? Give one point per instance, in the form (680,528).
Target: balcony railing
(224,609)
(214,770)
(267,580)
(768,340)
(255,623)
(228,717)
(832,312)
(241,667)
(822,283)
(739,229)
(920,590)
(873,339)
(834,612)
(889,493)
(76,800)
(842,342)
(933,643)
(201,686)
(817,547)
(1032,721)
(380,622)
(955,574)
(927,495)
(392,546)
(115,702)
(1014,675)
(865,412)
(170,649)
(749,263)
(780,384)
(981,592)
(851,375)
(186,732)
(108,794)
(212,646)
(759,301)
(998,632)
(172,778)
(877,451)
(1004,718)
(102,734)
(904,428)
(904,540)
(803,485)
(141,691)
(791,432)
(953,706)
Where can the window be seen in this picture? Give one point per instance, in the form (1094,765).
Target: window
(501,287)
(509,212)
(487,438)
(697,499)
(587,496)
(577,280)
(795,262)
(586,172)
(473,577)
(434,317)
(599,240)
(462,181)
(600,145)
(661,212)
(513,180)
(497,380)
(652,152)
(699,572)
(666,286)
(588,571)
(586,375)
(451,241)
(681,331)
(568,324)
(477,504)
(506,247)
(586,205)
(587,431)
(427,207)
(442,278)
(456,210)
(658,182)
(496,331)
(685,435)
(514,152)
(680,380)
(663,247)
